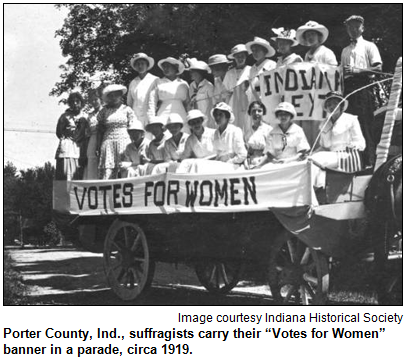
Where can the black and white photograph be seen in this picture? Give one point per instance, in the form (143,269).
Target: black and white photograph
(203,154)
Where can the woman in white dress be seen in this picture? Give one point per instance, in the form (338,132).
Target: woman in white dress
(261,50)
(201,90)
(285,40)
(286,142)
(219,65)
(257,140)
(234,82)
(313,35)
(169,94)
(140,86)
(341,139)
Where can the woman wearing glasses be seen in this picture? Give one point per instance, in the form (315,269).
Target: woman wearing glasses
(286,142)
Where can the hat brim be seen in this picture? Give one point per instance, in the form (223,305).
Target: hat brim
(288,111)
(178,63)
(336,97)
(230,121)
(197,68)
(231,56)
(293,41)
(151,62)
(270,50)
(106,91)
(320,29)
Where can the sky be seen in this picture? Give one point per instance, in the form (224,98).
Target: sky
(31,59)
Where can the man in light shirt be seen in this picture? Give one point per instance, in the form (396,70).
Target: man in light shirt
(359,60)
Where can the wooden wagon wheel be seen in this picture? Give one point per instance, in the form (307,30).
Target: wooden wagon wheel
(219,276)
(297,273)
(388,277)
(127,260)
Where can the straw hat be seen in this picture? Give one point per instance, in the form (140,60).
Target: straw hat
(156,120)
(354,18)
(337,95)
(237,49)
(174,118)
(135,125)
(311,25)
(195,114)
(139,56)
(198,65)
(218,59)
(285,34)
(262,42)
(223,107)
(287,107)
(114,87)
(173,61)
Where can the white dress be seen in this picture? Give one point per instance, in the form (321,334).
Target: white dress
(138,95)
(256,143)
(201,96)
(234,83)
(168,97)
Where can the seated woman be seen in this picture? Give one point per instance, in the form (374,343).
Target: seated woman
(174,146)
(155,150)
(341,139)
(258,135)
(286,141)
(135,152)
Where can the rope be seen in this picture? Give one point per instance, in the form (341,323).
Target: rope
(374,71)
(339,104)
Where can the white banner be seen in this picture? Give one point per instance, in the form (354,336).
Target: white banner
(283,187)
(305,85)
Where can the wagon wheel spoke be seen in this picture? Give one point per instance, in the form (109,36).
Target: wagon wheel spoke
(304,295)
(213,274)
(120,275)
(136,243)
(224,274)
(309,289)
(305,257)
(126,238)
(292,251)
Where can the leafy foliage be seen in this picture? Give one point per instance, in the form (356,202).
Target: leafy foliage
(100,39)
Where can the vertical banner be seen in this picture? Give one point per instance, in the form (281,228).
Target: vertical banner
(305,85)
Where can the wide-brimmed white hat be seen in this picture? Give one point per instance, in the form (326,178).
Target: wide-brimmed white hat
(114,87)
(156,120)
(285,34)
(237,49)
(218,59)
(139,56)
(173,61)
(174,118)
(135,125)
(337,95)
(311,25)
(223,107)
(195,114)
(261,42)
(286,106)
(198,65)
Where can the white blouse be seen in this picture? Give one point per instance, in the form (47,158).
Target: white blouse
(229,145)
(173,151)
(322,55)
(199,148)
(137,96)
(286,145)
(345,132)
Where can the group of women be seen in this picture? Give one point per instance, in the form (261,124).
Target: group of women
(169,125)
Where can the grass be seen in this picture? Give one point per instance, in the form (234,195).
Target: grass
(14,290)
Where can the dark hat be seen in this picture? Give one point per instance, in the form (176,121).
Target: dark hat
(355,18)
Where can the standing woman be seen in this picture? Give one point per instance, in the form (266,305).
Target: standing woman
(285,40)
(234,82)
(92,164)
(219,66)
(261,50)
(113,137)
(67,131)
(201,90)
(169,94)
(140,86)
(313,35)
(257,140)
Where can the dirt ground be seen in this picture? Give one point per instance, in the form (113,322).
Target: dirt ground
(70,276)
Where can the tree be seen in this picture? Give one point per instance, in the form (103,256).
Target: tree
(103,37)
